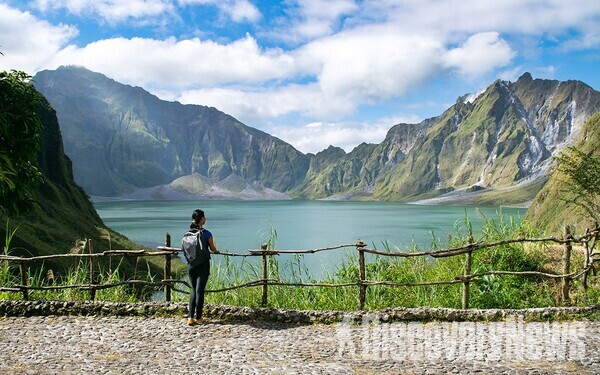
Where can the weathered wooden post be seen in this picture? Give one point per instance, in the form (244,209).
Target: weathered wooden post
(264,274)
(565,284)
(23,268)
(168,269)
(362,294)
(92,289)
(466,273)
(586,259)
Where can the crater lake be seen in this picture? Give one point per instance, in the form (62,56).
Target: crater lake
(238,226)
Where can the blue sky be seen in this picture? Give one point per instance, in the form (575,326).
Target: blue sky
(312,72)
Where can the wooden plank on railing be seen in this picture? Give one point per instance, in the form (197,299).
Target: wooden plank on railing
(587,257)
(311,251)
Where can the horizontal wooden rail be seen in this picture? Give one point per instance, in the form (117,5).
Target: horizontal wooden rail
(590,237)
(87,286)
(111,253)
(178,250)
(311,251)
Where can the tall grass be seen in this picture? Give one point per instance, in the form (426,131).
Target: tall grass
(75,275)
(491,291)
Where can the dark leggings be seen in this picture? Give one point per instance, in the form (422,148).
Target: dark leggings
(198,279)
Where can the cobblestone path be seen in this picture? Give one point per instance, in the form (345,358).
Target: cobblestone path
(134,345)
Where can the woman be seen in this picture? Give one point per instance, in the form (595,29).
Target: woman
(199,274)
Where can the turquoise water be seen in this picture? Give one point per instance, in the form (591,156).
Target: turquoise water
(241,225)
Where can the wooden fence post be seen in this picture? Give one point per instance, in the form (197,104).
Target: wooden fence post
(23,268)
(586,259)
(264,274)
(362,294)
(565,284)
(92,290)
(467,272)
(168,269)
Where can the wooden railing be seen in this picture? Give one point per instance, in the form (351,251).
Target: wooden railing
(588,242)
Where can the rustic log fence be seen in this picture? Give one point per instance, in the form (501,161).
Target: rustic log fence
(588,241)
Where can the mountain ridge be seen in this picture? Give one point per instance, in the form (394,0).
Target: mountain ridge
(127,142)
(133,140)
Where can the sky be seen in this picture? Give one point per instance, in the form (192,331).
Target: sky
(311,72)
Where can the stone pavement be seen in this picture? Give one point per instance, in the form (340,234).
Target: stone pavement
(166,345)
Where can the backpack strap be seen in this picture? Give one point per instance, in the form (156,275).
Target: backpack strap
(200,234)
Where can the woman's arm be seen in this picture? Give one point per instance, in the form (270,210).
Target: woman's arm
(212,245)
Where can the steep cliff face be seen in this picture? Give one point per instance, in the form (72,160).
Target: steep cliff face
(504,137)
(65,208)
(66,214)
(122,138)
(553,207)
(354,175)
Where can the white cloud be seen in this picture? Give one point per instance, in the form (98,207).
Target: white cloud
(178,64)
(367,64)
(588,41)
(312,138)
(242,11)
(317,136)
(237,10)
(479,54)
(348,54)
(250,106)
(35,42)
(112,11)
(535,17)
(310,19)
(511,74)
(370,63)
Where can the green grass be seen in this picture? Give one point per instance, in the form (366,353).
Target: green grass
(79,275)
(491,291)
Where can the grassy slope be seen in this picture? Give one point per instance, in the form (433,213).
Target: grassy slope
(66,213)
(517,195)
(549,210)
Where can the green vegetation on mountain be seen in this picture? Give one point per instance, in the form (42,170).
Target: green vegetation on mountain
(125,141)
(20,137)
(63,213)
(562,201)
(334,172)
(355,174)
(500,139)
(122,138)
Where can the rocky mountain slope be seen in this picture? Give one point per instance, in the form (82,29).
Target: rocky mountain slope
(124,140)
(505,136)
(553,207)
